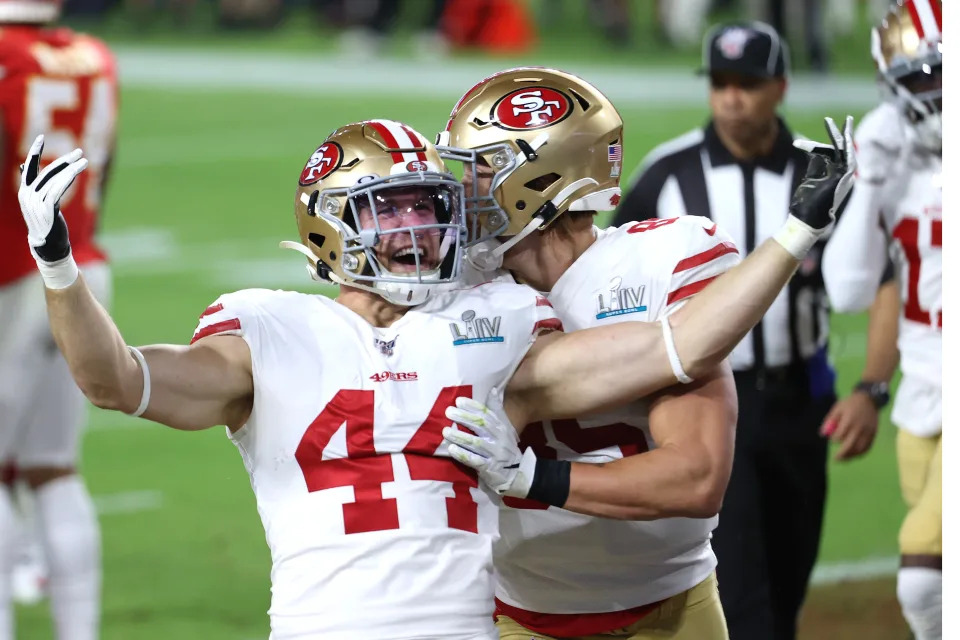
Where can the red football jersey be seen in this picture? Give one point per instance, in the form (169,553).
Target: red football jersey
(63,85)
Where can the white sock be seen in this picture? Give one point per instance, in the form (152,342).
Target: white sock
(71,540)
(29,549)
(920,592)
(8,539)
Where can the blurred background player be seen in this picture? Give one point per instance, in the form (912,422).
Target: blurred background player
(55,81)
(739,171)
(897,205)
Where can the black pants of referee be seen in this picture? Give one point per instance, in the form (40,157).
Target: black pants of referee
(769,532)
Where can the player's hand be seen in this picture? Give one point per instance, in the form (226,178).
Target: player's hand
(40,193)
(852,424)
(829,177)
(491,448)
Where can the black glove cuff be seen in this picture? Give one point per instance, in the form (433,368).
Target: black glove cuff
(551,482)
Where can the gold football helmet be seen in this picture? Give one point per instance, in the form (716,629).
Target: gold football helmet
(378,210)
(906,46)
(552,142)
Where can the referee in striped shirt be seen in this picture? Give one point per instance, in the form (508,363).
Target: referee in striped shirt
(740,170)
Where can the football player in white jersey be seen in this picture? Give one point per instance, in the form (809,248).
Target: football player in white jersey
(542,154)
(896,205)
(337,406)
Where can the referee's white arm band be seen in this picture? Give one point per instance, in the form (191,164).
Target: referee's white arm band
(675,363)
(145,397)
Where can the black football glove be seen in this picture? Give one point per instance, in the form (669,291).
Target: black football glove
(829,177)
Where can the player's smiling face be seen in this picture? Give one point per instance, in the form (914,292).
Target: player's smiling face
(400,208)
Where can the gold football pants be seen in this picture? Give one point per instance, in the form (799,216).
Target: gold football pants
(694,614)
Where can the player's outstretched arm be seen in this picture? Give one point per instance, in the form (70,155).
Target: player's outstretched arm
(602,367)
(707,328)
(194,387)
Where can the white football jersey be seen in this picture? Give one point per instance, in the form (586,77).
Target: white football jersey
(374,532)
(896,205)
(553,561)
(912,213)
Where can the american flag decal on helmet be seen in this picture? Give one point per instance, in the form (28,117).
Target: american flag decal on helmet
(614,153)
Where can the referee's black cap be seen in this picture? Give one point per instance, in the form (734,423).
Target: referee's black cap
(749,48)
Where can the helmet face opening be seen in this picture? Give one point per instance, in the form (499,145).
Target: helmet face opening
(484,170)
(407,229)
(926,86)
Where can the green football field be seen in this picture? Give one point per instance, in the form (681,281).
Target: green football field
(201,194)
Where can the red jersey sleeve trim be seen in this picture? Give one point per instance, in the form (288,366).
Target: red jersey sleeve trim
(232,325)
(704,257)
(550,324)
(688,290)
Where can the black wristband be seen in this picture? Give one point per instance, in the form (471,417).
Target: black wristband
(879,392)
(551,482)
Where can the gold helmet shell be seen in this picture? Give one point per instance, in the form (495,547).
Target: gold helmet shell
(553,141)
(361,162)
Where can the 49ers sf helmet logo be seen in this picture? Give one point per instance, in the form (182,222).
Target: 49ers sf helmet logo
(324,161)
(531,108)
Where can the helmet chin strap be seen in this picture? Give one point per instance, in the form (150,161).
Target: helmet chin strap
(484,258)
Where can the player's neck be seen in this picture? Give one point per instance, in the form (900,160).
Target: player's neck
(371,307)
(540,259)
(752,147)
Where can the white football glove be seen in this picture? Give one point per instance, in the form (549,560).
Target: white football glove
(493,451)
(39,195)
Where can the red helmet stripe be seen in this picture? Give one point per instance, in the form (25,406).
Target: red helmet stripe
(935,10)
(915,18)
(414,141)
(928,13)
(388,138)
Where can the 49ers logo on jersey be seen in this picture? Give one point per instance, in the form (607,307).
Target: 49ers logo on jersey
(531,108)
(324,161)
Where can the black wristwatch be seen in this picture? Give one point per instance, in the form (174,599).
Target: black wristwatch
(879,392)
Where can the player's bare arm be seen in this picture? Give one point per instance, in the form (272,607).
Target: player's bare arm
(686,475)
(206,384)
(591,370)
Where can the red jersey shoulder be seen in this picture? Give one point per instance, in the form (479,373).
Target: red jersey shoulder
(54,52)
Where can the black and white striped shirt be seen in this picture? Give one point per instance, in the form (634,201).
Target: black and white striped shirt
(695,174)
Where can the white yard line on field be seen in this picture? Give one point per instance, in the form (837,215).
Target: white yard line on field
(109,504)
(855,571)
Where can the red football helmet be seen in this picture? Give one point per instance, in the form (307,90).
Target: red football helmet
(30,11)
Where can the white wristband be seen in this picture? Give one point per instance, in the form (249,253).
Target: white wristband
(797,237)
(672,354)
(60,274)
(145,396)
